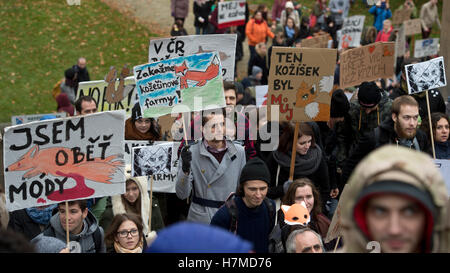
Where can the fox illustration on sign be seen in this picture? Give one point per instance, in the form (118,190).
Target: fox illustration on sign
(63,162)
(201,77)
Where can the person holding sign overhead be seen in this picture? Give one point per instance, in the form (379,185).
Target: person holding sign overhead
(209,168)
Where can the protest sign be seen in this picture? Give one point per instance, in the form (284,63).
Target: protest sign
(300,81)
(98,91)
(366,63)
(444,167)
(15,120)
(320,41)
(350,34)
(401,15)
(193,83)
(261,95)
(427,47)
(168,48)
(335,229)
(231,13)
(400,43)
(57,160)
(413,26)
(130,144)
(159,160)
(425,75)
(168,126)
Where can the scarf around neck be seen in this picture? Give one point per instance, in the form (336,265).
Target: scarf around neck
(120,249)
(304,164)
(41,216)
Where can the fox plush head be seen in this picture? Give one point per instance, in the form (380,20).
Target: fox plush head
(297,214)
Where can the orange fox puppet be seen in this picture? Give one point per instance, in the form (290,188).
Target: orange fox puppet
(297,214)
(201,77)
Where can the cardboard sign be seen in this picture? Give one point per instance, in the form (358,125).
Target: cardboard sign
(400,43)
(401,15)
(98,91)
(159,160)
(425,75)
(335,229)
(168,126)
(184,84)
(168,48)
(231,13)
(261,95)
(58,160)
(427,47)
(350,34)
(320,41)
(444,167)
(367,63)
(412,27)
(15,120)
(300,82)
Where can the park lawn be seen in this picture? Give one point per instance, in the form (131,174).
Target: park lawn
(40,39)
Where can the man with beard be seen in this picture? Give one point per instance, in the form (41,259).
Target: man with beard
(210,168)
(400,130)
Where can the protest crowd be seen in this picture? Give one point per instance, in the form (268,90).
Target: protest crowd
(351,159)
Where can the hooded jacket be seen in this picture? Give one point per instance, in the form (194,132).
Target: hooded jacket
(86,236)
(368,143)
(418,177)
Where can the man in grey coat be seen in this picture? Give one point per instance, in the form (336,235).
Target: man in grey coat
(85,235)
(210,168)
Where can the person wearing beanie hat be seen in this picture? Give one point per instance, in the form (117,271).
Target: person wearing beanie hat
(70,84)
(47,244)
(249,213)
(339,104)
(398,198)
(139,128)
(371,109)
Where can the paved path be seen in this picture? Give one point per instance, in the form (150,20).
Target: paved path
(155,15)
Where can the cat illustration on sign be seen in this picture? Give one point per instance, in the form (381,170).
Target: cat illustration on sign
(152,160)
(201,77)
(63,162)
(307,94)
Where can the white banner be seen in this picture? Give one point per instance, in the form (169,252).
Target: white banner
(51,161)
(427,47)
(350,34)
(231,13)
(16,120)
(425,75)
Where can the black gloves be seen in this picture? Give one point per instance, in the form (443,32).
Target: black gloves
(186,156)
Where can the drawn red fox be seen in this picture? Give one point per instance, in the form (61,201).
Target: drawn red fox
(306,96)
(44,162)
(201,77)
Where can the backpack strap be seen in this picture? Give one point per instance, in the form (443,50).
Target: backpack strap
(377,137)
(272,213)
(97,236)
(233,210)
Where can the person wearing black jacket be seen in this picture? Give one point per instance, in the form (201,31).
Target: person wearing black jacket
(202,9)
(400,130)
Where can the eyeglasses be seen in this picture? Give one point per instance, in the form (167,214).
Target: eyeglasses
(124,233)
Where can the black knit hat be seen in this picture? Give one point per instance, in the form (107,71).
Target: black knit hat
(369,94)
(255,169)
(339,104)
(136,112)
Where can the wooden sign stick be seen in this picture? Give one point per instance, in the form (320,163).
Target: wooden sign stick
(67,223)
(151,204)
(337,243)
(431,125)
(294,152)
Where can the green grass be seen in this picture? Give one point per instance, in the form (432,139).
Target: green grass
(39,39)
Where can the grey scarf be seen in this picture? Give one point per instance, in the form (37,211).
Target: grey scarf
(304,164)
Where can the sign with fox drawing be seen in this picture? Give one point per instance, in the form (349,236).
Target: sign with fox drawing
(193,82)
(52,161)
(179,46)
(300,83)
